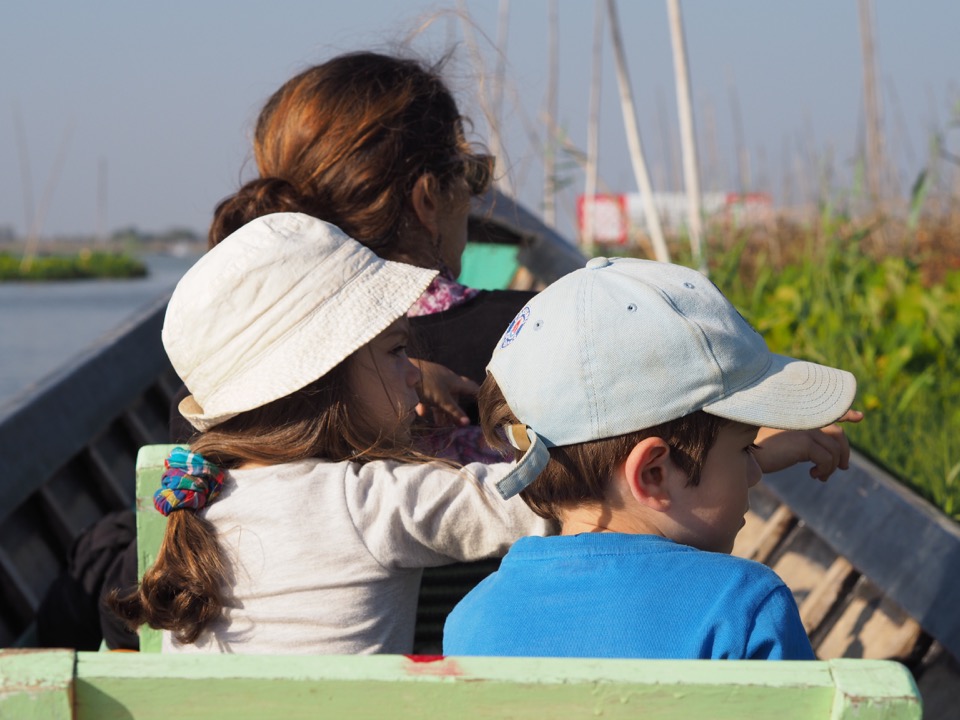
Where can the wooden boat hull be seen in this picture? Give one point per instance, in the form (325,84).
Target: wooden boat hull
(873,567)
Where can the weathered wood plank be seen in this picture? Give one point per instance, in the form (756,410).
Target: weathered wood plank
(763,504)
(862,691)
(150,525)
(36,684)
(826,594)
(749,536)
(764,540)
(900,541)
(870,626)
(155,686)
(802,561)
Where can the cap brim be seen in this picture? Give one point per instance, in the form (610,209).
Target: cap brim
(791,395)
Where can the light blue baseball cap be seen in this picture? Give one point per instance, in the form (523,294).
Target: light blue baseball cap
(625,344)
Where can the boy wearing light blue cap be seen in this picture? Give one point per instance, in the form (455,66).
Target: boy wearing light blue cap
(633,392)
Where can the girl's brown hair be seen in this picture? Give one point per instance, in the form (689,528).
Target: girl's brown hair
(352,136)
(185,590)
(579,474)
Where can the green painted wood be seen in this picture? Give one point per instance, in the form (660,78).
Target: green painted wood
(62,685)
(36,684)
(488,266)
(150,524)
(119,685)
(867,689)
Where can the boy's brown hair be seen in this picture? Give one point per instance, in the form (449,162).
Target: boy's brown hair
(579,474)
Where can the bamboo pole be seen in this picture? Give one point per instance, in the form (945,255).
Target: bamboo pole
(633,139)
(550,151)
(593,130)
(102,201)
(715,177)
(871,106)
(498,80)
(743,156)
(489,97)
(667,142)
(688,143)
(26,177)
(36,227)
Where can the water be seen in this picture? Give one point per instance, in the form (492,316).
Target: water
(43,326)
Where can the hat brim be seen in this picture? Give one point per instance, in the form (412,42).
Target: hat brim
(377,297)
(191,411)
(791,395)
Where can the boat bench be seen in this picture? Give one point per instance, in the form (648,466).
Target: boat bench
(67,684)
(64,684)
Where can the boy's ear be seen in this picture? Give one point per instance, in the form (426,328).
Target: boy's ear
(425,204)
(647,469)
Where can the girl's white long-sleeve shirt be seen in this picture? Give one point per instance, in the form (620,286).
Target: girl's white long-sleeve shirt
(326,557)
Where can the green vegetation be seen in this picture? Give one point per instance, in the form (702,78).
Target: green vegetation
(85,264)
(899,337)
(882,301)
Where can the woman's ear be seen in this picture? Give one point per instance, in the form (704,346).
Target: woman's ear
(425,203)
(646,470)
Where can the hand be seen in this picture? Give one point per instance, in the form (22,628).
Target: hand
(439,389)
(827,448)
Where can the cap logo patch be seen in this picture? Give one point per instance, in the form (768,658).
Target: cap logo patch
(515,327)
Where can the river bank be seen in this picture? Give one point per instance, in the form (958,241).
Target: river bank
(44,325)
(82,265)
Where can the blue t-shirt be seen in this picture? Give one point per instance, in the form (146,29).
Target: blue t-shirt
(611,595)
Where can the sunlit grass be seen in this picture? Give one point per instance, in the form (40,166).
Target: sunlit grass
(82,265)
(880,301)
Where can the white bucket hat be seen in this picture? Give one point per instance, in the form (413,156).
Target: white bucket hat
(274,307)
(624,344)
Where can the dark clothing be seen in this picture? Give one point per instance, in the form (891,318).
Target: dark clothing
(463,338)
(73,613)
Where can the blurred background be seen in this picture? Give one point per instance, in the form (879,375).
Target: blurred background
(126,114)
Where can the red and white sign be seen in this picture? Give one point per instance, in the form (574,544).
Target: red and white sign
(609,218)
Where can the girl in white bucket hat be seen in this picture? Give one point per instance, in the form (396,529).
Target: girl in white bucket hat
(297,521)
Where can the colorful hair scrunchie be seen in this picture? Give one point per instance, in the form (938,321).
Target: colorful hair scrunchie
(189,482)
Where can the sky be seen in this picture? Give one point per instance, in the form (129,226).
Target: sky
(121,113)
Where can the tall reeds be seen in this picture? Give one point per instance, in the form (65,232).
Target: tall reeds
(892,320)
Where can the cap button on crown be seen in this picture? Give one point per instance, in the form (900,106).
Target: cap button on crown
(597,263)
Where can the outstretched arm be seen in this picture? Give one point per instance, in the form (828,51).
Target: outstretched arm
(827,448)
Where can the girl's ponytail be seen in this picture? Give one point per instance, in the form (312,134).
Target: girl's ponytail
(183,592)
